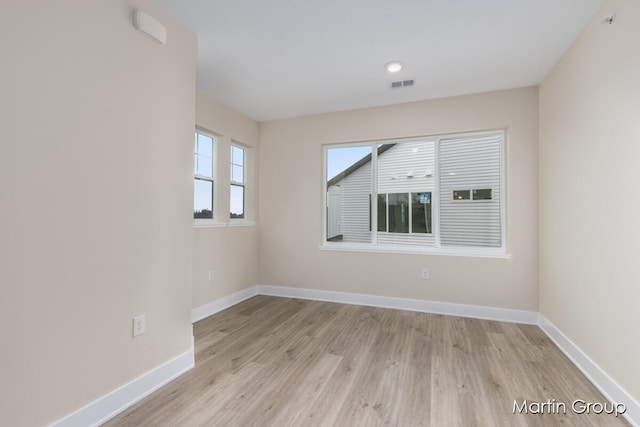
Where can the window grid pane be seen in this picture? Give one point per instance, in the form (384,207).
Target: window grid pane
(205,166)
(237,174)
(237,189)
(205,145)
(203,197)
(203,158)
(236,201)
(237,155)
(470,162)
(237,164)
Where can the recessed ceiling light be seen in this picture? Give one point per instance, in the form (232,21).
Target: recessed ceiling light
(393,66)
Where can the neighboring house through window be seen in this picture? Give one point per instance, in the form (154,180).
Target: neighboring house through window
(431,192)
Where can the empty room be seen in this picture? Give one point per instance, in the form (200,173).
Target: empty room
(336,213)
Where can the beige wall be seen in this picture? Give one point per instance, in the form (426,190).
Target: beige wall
(95,195)
(589,205)
(290,232)
(230,252)
(96,187)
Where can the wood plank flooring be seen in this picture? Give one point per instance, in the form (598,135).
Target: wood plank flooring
(284,362)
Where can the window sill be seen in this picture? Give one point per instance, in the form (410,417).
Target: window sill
(215,224)
(209,224)
(242,223)
(458,251)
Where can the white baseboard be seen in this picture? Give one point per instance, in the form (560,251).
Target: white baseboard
(115,402)
(462,310)
(111,404)
(599,378)
(213,307)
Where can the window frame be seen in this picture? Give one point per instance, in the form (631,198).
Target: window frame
(374,246)
(242,184)
(214,143)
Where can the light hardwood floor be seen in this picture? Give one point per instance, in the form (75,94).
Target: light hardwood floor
(284,362)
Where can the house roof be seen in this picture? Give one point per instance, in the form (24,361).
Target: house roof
(357,165)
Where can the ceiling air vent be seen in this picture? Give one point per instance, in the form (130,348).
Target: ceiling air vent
(401,83)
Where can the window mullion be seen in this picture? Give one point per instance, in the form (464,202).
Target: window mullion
(374,194)
(435,198)
(410,213)
(386,208)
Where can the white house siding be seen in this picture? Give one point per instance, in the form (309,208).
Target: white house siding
(334,211)
(470,163)
(355,189)
(406,239)
(415,158)
(394,164)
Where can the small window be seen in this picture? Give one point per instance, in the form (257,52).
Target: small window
(482,194)
(237,191)
(203,177)
(461,194)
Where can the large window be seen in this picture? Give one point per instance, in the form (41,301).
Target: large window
(238,180)
(432,192)
(203,176)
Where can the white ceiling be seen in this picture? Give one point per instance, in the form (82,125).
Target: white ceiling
(272,59)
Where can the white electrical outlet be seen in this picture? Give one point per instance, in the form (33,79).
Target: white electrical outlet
(211,275)
(138,325)
(425,273)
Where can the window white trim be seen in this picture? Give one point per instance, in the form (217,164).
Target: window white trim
(199,222)
(438,248)
(208,223)
(420,250)
(241,223)
(242,184)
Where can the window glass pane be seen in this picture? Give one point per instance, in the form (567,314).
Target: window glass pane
(421,212)
(382,212)
(205,145)
(470,162)
(482,194)
(205,166)
(236,201)
(237,173)
(461,194)
(404,168)
(237,155)
(203,199)
(349,194)
(398,213)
